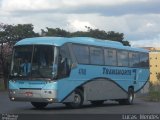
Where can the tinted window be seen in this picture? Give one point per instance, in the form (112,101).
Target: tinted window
(64,52)
(64,62)
(110,57)
(81,53)
(42,62)
(96,56)
(122,58)
(133,59)
(144,60)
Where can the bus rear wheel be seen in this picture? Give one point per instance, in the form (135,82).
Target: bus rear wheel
(39,105)
(129,100)
(78,100)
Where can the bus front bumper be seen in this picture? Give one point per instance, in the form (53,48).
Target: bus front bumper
(29,95)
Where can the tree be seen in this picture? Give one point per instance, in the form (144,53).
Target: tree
(55,32)
(158,78)
(9,34)
(95,33)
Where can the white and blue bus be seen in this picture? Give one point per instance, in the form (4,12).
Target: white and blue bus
(73,70)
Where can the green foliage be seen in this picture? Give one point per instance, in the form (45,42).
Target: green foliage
(158,77)
(13,33)
(154,95)
(95,33)
(154,90)
(9,34)
(2,86)
(55,32)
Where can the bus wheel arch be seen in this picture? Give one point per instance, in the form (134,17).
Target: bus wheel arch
(130,97)
(131,87)
(80,88)
(78,99)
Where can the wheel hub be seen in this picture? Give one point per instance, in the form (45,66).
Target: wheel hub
(77,98)
(130,98)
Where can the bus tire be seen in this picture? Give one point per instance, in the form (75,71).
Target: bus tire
(97,102)
(129,100)
(78,100)
(39,105)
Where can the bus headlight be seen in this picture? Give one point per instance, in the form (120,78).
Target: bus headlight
(50,99)
(12,98)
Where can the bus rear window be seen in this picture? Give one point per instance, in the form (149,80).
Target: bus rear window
(133,59)
(144,60)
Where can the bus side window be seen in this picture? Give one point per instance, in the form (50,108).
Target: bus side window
(64,62)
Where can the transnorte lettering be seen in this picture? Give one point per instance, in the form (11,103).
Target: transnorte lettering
(116,71)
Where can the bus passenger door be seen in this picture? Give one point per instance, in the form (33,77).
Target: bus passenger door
(64,62)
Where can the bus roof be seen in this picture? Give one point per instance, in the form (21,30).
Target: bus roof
(59,41)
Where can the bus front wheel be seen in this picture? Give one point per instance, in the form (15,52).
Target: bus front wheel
(39,105)
(78,100)
(129,100)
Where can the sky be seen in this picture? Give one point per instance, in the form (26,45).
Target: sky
(139,20)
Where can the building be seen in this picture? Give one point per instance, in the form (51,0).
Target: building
(154,61)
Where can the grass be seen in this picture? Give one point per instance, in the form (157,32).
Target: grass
(154,96)
(1,86)
(154,93)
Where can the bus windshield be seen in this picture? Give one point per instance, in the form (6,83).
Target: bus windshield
(34,61)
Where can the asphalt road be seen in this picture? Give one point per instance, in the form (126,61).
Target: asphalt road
(139,107)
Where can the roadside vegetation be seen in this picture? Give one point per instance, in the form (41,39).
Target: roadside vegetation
(2,86)
(154,90)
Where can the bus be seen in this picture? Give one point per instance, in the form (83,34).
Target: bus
(73,70)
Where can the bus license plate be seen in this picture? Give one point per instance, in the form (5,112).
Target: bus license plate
(28,94)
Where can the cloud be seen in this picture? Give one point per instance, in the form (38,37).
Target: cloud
(28,5)
(125,8)
(147,42)
(76,25)
(137,19)
(0,3)
(15,5)
(103,7)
